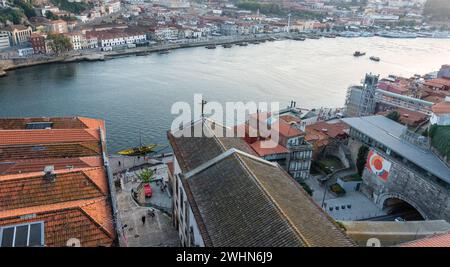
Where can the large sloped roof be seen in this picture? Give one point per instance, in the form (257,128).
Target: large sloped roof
(239,199)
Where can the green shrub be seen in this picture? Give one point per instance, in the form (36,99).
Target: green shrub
(307,188)
(362,158)
(440,139)
(337,189)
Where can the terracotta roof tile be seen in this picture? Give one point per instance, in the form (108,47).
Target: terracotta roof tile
(27,190)
(58,123)
(80,219)
(439,240)
(74,204)
(441,108)
(274,148)
(28,137)
(20,152)
(332,130)
(36,165)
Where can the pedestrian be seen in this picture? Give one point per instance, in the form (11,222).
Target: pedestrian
(143,219)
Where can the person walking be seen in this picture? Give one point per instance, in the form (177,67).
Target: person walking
(143,219)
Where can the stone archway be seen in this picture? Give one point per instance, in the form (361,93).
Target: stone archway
(382,199)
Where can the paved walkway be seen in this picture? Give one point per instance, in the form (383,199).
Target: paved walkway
(352,206)
(157,231)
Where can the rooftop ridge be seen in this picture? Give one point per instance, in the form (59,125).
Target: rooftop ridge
(20,176)
(49,207)
(223,156)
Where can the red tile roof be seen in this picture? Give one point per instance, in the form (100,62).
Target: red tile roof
(90,221)
(439,240)
(58,123)
(39,151)
(28,137)
(27,190)
(268,147)
(407,116)
(36,165)
(441,83)
(332,130)
(75,204)
(287,129)
(441,108)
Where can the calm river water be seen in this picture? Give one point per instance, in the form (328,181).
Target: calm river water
(135,94)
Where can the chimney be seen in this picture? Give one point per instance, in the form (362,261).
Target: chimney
(49,174)
(303,126)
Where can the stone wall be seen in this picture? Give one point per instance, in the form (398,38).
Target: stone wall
(336,149)
(427,196)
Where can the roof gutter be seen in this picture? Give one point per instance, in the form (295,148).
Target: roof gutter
(112,194)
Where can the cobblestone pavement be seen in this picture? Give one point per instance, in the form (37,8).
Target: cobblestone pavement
(157,231)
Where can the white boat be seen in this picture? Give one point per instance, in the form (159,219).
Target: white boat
(440,35)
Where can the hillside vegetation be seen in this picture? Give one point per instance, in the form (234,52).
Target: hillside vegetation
(437,9)
(440,139)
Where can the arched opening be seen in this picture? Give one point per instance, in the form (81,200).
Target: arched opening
(398,209)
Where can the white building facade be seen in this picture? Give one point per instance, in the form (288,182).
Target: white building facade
(4,40)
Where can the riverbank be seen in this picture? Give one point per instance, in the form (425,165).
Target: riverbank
(17,63)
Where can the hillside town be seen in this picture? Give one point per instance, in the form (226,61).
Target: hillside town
(49,28)
(377,168)
(374,172)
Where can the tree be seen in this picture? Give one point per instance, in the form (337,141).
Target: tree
(50,15)
(27,8)
(60,43)
(362,158)
(437,9)
(146,175)
(11,15)
(394,115)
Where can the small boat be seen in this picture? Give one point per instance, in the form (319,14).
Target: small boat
(313,36)
(271,39)
(299,38)
(243,44)
(375,58)
(162,52)
(211,46)
(138,151)
(227,45)
(142,54)
(359,54)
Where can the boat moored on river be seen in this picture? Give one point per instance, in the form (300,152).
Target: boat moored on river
(138,151)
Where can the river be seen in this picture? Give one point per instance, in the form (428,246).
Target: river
(135,94)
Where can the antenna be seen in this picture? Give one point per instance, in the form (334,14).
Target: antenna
(257,123)
(204,102)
